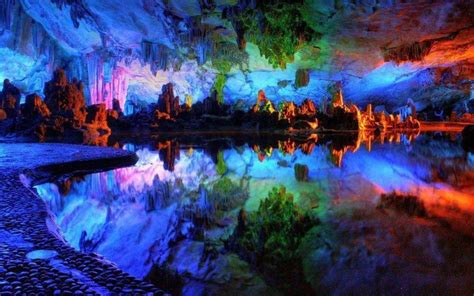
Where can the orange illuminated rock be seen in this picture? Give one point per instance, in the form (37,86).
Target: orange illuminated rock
(97,119)
(10,99)
(263,103)
(288,111)
(34,107)
(3,115)
(167,102)
(66,99)
(307,108)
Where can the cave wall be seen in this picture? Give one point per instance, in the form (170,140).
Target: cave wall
(386,52)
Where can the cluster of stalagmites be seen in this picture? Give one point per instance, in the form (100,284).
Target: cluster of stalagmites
(265,114)
(63,112)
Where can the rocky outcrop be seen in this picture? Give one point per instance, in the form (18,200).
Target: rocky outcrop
(66,98)
(97,117)
(167,102)
(10,99)
(307,108)
(97,129)
(35,108)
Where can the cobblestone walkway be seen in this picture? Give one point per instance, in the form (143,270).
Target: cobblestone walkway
(34,260)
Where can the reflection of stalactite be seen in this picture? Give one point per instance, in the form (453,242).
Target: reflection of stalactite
(158,195)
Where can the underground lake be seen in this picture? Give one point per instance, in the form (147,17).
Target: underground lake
(236,147)
(204,216)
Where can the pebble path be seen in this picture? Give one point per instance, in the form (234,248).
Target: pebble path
(34,259)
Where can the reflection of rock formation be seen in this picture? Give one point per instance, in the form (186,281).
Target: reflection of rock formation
(408,204)
(301,172)
(169,152)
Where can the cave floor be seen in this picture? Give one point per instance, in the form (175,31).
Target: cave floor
(34,259)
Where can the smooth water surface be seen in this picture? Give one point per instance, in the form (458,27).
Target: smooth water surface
(162,211)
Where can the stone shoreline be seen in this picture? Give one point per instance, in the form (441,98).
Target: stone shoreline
(34,259)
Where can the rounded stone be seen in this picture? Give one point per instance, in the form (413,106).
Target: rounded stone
(41,254)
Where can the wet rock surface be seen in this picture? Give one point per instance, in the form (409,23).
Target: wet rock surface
(34,259)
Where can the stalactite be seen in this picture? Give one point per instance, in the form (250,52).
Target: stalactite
(408,52)
(201,37)
(302,78)
(106,80)
(78,10)
(156,55)
(6,11)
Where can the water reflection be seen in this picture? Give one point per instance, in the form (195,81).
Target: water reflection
(173,211)
(337,144)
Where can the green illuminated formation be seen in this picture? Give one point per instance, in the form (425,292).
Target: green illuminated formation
(226,195)
(225,56)
(271,236)
(278,29)
(219,87)
(221,166)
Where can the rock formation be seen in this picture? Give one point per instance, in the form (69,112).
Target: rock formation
(10,99)
(263,103)
(66,99)
(307,108)
(167,102)
(35,108)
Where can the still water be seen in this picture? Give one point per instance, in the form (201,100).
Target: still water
(173,216)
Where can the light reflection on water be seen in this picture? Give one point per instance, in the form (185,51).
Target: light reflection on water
(146,213)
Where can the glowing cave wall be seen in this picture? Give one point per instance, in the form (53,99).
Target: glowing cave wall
(385,53)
